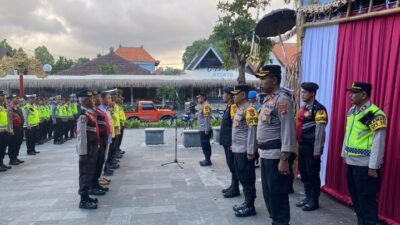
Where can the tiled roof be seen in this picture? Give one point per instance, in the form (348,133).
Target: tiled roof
(291,50)
(199,57)
(94,65)
(133,54)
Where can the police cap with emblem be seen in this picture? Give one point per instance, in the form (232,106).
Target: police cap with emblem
(240,88)
(309,86)
(358,87)
(228,90)
(270,71)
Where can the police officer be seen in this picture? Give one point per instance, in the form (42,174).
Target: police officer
(31,123)
(105,103)
(243,147)
(311,123)
(122,117)
(225,139)
(104,132)
(87,148)
(276,143)
(363,150)
(15,140)
(57,120)
(112,162)
(5,130)
(204,125)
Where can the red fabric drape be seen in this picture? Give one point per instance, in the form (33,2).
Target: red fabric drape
(368,51)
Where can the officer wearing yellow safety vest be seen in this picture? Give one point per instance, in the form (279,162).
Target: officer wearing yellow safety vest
(31,123)
(363,149)
(122,117)
(69,133)
(57,120)
(5,130)
(112,162)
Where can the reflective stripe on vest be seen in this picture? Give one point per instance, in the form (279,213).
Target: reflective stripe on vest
(32,115)
(359,136)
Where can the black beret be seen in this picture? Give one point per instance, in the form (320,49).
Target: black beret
(310,86)
(269,70)
(357,87)
(84,94)
(240,88)
(228,90)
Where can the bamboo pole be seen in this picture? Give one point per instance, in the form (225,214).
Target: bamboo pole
(371,3)
(355,18)
(348,8)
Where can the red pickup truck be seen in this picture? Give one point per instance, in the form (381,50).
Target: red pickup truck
(147,112)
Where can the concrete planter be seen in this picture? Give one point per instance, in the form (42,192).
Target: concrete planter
(154,136)
(216,132)
(191,138)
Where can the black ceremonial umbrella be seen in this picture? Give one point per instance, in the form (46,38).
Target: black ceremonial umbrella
(276,23)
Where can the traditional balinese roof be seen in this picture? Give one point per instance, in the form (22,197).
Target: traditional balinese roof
(196,78)
(291,50)
(207,58)
(94,66)
(134,54)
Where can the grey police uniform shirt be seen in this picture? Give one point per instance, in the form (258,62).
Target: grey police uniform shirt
(374,161)
(81,127)
(204,121)
(243,135)
(276,121)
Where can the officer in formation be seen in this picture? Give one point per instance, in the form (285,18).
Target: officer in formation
(244,148)
(98,139)
(363,150)
(225,139)
(203,115)
(31,124)
(6,130)
(16,138)
(311,123)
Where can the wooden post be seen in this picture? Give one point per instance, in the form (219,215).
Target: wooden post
(21,85)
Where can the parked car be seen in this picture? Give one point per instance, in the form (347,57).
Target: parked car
(147,112)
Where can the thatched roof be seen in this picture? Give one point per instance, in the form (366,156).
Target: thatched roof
(198,78)
(94,65)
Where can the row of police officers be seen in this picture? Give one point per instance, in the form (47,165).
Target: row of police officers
(100,128)
(272,133)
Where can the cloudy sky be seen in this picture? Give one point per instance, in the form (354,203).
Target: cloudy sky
(84,28)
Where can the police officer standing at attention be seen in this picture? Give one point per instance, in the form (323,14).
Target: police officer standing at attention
(16,139)
(5,130)
(31,123)
(204,117)
(311,123)
(276,143)
(363,150)
(87,148)
(225,139)
(243,148)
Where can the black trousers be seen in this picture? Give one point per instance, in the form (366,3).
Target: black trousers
(99,163)
(363,191)
(276,188)
(51,128)
(120,138)
(71,128)
(31,136)
(111,151)
(205,144)
(15,142)
(3,145)
(87,169)
(230,161)
(65,129)
(58,130)
(246,173)
(309,170)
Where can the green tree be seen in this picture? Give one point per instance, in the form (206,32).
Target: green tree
(108,69)
(200,45)
(169,71)
(43,55)
(82,60)
(4,44)
(61,64)
(235,26)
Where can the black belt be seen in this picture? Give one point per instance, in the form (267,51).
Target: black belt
(274,144)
